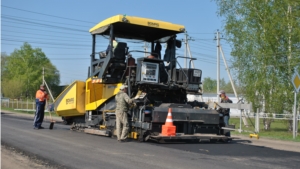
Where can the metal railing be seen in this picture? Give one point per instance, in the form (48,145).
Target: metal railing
(23,105)
(273,116)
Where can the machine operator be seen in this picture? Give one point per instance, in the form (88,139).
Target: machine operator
(123,103)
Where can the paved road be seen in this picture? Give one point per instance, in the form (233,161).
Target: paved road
(68,149)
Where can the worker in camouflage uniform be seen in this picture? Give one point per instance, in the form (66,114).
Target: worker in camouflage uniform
(123,101)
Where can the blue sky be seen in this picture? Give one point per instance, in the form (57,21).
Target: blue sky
(60,28)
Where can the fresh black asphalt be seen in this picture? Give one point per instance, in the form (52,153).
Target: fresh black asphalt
(69,149)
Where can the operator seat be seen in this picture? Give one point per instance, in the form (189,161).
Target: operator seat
(118,65)
(120,51)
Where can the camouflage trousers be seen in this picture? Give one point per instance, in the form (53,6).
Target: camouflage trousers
(122,125)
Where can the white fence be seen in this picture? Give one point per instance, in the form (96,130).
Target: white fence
(236,112)
(273,116)
(28,105)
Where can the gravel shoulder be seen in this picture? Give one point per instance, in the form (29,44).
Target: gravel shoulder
(270,143)
(13,158)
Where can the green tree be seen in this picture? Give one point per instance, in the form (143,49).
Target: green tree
(23,69)
(265,48)
(223,84)
(209,85)
(227,87)
(3,63)
(12,88)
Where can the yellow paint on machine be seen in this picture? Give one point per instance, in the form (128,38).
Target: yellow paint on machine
(140,21)
(80,97)
(71,102)
(98,93)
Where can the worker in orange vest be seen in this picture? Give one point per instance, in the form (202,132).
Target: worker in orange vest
(40,98)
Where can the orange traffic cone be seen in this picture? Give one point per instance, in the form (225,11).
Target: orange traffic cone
(169,129)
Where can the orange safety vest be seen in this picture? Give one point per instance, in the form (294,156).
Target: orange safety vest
(41,95)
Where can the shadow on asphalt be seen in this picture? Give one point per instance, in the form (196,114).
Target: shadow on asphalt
(58,125)
(236,148)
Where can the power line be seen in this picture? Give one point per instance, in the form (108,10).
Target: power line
(42,34)
(208,39)
(210,57)
(211,44)
(210,50)
(203,47)
(46,14)
(12,16)
(44,47)
(199,33)
(23,22)
(41,42)
(63,54)
(61,44)
(41,30)
(201,59)
(55,44)
(72,59)
(44,38)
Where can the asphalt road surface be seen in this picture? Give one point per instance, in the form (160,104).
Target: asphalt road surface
(62,148)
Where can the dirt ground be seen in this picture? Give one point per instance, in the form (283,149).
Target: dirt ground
(12,158)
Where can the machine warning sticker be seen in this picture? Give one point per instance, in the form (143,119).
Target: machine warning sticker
(197,73)
(153,24)
(70,101)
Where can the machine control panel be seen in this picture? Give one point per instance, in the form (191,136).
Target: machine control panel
(150,72)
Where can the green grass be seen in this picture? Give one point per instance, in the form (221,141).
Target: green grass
(278,130)
(27,112)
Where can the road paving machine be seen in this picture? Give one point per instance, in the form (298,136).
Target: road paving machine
(158,82)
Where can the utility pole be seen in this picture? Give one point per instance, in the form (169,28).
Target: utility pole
(45,83)
(187,49)
(145,48)
(242,117)
(218,64)
(43,76)
(228,71)
(49,91)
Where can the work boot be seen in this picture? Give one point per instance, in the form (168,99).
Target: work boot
(124,141)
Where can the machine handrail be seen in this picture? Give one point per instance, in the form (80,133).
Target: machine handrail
(187,78)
